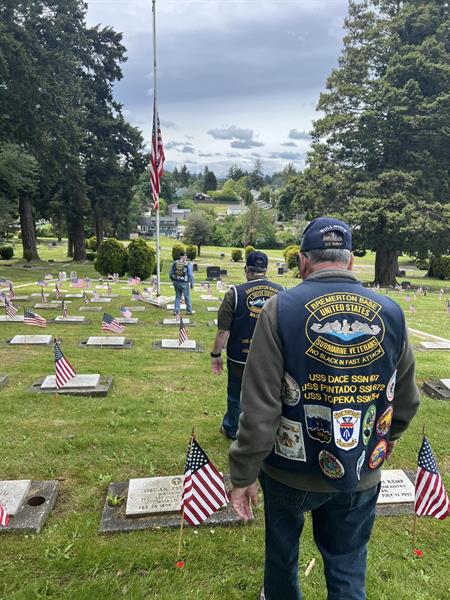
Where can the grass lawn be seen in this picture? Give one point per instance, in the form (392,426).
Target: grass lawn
(142,429)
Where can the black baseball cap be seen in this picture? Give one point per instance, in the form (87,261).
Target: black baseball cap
(257,260)
(312,238)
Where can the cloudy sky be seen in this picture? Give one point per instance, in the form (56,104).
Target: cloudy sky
(237,79)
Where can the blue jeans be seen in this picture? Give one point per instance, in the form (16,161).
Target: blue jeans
(231,418)
(342,524)
(182,289)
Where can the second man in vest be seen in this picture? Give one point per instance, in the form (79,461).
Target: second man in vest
(236,322)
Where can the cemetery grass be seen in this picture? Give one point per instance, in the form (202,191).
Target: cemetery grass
(142,429)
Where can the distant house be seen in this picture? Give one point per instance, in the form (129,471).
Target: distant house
(200,197)
(178,213)
(182,192)
(167,226)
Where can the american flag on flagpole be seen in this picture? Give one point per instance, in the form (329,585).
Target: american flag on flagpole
(43,298)
(204,490)
(431,497)
(10,309)
(109,323)
(4,517)
(182,334)
(31,318)
(125,312)
(64,371)
(156,159)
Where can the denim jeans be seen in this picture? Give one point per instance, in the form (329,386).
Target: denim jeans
(182,289)
(231,418)
(342,524)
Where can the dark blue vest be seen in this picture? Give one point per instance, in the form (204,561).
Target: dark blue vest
(341,344)
(179,271)
(250,298)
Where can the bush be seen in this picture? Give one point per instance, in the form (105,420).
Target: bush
(422,264)
(191,252)
(44,231)
(91,256)
(247,250)
(439,267)
(291,257)
(288,248)
(111,258)
(359,252)
(177,250)
(91,243)
(7,252)
(141,259)
(236,254)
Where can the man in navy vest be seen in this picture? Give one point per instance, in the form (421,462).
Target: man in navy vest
(327,391)
(236,321)
(182,277)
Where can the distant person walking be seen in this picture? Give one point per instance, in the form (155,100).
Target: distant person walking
(236,322)
(182,276)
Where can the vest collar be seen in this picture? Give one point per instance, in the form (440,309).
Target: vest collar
(325,273)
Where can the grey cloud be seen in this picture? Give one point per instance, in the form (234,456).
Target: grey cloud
(246,145)
(299,135)
(204,154)
(230,133)
(185,147)
(168,124)
(287,155)
(290,144)
(187,150)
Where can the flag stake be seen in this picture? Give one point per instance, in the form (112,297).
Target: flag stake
(414,549)
(180,539)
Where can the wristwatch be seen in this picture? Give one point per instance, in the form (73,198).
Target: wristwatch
(214,355)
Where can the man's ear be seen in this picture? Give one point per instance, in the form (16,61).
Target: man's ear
(303,265)
(350,264)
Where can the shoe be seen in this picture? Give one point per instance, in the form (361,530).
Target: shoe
(189,313)
(226,434)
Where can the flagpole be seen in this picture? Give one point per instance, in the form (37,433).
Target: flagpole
(180,539)
(155,141)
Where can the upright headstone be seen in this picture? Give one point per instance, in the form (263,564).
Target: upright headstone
(212,273)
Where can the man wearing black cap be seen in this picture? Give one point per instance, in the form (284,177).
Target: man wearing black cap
(327,391)
(236,321)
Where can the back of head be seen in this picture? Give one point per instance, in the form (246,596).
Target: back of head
(256,262)
(327,240)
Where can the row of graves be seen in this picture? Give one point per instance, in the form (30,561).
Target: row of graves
(154,502)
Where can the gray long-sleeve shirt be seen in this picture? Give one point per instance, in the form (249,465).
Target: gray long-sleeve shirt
(261,404)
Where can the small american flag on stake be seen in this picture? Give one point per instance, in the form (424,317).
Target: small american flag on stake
(109,323)
(204,490)
(10,309)
(85,298)
(43,297)
(4,517)
(125,312)
(65,312)
(31,318)
(182,335)
(64,371)
(57,291)
(156,159)
(11,291)
(431,497)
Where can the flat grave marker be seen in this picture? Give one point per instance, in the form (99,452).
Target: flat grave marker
(169,344)
(176,322)
(127,320)
(212,308)
(34,340)
(101,299)
(73,296)
(90,309)
(396,493)
(15,319)
(3,380)
(70,319)
(12,494)
(28,503)
(79,381)
(113,342)
(437,388)
(172,306)
(435,346)
(154,495)
(208,298)
(48,305)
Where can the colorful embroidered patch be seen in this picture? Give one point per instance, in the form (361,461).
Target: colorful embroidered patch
(384,422)
(330,465)
(346,425)
(378,454)
(290,390)
(391,387)
(289,442)
(368,423)
(359,464)
(318,422)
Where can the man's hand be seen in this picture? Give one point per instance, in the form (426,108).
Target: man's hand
(217,365)
(390,448)
(240,500)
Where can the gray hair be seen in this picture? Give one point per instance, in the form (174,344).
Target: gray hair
(334,255)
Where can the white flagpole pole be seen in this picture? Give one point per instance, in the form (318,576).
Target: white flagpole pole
(155,128)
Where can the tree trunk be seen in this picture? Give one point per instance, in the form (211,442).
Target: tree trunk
(198,249)
(99,228)
(79,240)
(27,228)
(386,267)
(69,244)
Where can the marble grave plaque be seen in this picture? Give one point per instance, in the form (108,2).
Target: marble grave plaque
(48,305)
(175,321)
(206,297)
(74,319)
(105,341)
(175,345)
(154,495)
(445,383)
(79,381)
(90,308)
(172,307)
(12,494)
(212,308)
(39,340)
(102,299)
(15,319)
(396,487)
(127,320)
(73,296)
(435,345)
